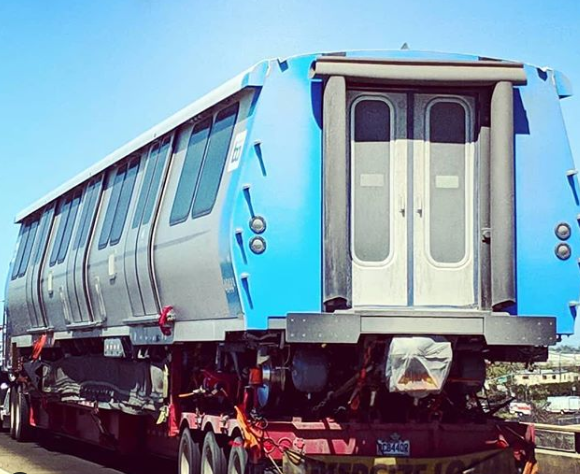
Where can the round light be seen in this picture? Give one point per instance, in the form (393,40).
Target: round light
(258,224)
(563,251)
(257,245)
(563,231)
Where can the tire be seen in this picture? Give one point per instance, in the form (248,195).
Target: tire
(213,459)
(238,461)
(21,417)
(189,458)
(12,402)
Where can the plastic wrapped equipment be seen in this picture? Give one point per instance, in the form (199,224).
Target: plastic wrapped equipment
(418,366)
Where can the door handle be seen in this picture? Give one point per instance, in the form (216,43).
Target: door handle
(420,207)
(402,206)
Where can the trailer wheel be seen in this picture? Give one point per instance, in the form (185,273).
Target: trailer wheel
(12,409)
(213,459)
(21,417)
(238,462)
(189,460)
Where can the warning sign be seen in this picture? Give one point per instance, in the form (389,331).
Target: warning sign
(499,461)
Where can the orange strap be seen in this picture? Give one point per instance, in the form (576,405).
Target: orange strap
(38,346)
(250,439)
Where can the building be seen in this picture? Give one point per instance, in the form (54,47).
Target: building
(545,377)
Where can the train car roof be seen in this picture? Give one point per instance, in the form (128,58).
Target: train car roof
(254,77)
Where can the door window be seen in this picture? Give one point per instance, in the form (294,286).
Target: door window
(371,177)
(446,142)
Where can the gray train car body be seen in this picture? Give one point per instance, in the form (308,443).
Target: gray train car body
(100,263)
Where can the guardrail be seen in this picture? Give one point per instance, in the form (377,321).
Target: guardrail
(558,448)
(558,438)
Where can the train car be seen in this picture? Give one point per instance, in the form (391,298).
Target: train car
(303,262)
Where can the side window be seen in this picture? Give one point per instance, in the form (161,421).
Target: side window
(190,172)
(28,235)
(215,161)
(45,225)
(146,184)
(28,249)
(67,234)
(89,204)
(124,202)
(156,181)
(119,204)
(112,207)
(63,212)
(25,229)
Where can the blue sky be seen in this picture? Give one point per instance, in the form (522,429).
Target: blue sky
(79,79)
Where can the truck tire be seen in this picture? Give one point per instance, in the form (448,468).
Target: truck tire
(21,417)
(238,461)
(189,458)
(213,459)
(12,403)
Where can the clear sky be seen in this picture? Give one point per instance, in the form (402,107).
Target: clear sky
(80,78)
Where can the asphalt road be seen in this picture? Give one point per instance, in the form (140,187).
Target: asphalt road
(51,455)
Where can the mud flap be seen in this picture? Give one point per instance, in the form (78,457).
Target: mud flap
(498,461)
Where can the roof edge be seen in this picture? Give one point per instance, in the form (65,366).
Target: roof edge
(252,77)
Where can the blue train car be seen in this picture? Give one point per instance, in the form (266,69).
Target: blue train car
(413,212)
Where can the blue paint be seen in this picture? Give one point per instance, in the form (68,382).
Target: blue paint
(284,178)
(544,197)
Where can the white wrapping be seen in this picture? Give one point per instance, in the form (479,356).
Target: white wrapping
(418,366)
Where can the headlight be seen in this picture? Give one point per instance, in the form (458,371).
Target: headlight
(257,245)
(563,251)
(563,231)
(258,224)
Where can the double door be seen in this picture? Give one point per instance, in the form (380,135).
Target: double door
(412,199)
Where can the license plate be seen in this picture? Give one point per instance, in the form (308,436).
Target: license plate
(394,447)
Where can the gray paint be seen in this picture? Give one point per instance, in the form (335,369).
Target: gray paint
(484,217)
(498,329)
(421,72)
(337,266)
(502,195)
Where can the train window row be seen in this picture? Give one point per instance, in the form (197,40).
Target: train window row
(196,194)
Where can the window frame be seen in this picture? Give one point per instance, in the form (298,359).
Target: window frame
(115,218)
(352,196)
(125,199)
(224,158)
(66,202)
(70,223)
(199,126)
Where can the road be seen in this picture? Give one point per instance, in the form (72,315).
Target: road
(49,455)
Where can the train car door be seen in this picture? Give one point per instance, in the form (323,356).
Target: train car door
(33,288)
(76,276)
(54,269)
(444,208)
(139,270)
(412,199)
(378,217)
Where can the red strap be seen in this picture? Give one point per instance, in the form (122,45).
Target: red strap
(163,321)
